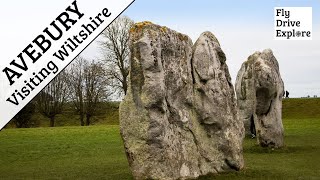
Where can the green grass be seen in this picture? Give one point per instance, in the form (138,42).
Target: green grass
(66,152)
(299,159)
(96,152)
(301,108)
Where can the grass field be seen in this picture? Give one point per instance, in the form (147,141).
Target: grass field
(96,152)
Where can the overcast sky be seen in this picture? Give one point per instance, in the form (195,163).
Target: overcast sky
(242,27)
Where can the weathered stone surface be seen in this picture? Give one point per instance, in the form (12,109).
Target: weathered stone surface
(259,89)
(178,119)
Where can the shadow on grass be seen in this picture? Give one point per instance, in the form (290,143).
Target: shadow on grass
(243,174)
(256,149)
(249,173)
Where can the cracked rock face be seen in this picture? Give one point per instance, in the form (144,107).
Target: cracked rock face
(259,89)
(179,119)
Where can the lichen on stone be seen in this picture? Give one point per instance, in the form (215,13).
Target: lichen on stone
(139,26)
(182,96)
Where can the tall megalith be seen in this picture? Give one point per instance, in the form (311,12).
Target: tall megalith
(179,117)
(259,89)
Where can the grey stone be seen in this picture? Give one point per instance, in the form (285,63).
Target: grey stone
(178,119)
(259,89)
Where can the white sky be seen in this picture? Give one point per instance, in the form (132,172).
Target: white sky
(243,27)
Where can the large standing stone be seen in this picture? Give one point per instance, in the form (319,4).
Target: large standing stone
(178,119)
(259,89)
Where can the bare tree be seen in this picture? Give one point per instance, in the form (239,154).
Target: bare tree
(115,46)
(89,86)
(51,99)
(96,84)
(76,86)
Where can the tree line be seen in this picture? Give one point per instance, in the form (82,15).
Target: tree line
(86,83)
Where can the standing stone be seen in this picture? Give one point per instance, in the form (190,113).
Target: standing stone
(178,119)
(259,89)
